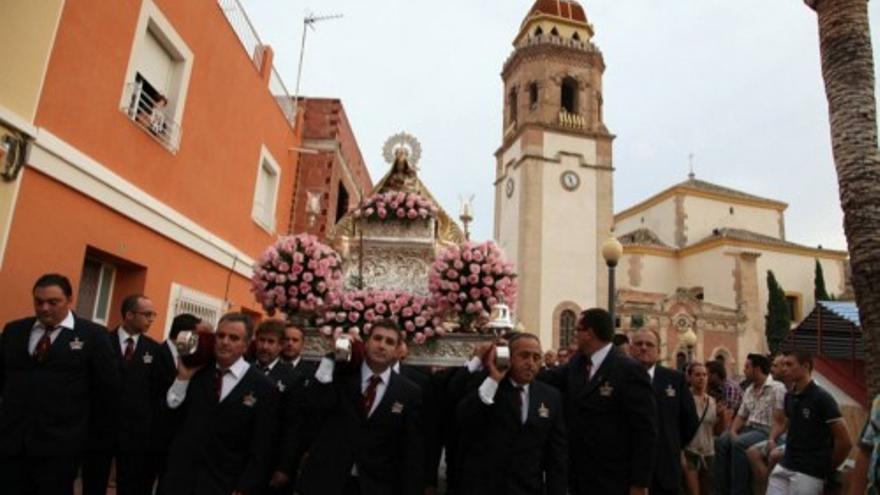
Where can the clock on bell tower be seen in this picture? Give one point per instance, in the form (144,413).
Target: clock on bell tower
(553,176)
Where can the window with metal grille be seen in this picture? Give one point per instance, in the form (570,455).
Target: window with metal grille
(567,322)
(187,300)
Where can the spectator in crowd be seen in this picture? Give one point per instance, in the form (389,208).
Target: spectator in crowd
(762,402)
(229,419)
(622,344)
(58,378)
(726,392)
(516,426)
(676,413)
(866,474)
(563,355)
(369,440)
(761,457)
(818,440)
(610,413)
(700,452)
(550,360)
(144,382)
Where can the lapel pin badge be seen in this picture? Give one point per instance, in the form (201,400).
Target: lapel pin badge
(606,390)
(281,386)
(76,344)
(396,408)
(148,358)
(249,400)
(670,391)
(543,411)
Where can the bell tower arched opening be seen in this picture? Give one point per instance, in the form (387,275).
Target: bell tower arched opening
(569,95)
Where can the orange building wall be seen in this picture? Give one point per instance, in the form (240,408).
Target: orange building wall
(229,113)
(55,240)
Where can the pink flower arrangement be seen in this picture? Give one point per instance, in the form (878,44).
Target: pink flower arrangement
(397,205)
(296,274)
(356,311)
(471,278)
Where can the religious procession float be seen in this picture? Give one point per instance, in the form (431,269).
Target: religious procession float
(399,256)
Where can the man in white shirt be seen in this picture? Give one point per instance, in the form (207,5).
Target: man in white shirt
(369,441)
(229,420)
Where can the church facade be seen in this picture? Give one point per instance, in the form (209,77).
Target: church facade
(696,255)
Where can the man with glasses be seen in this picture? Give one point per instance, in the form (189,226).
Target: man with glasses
(228,420)
(677,419)
(57,378)
(132,443)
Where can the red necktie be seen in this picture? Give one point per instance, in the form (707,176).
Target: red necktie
(41,352)
(370,394)
(218,382)
(129,349)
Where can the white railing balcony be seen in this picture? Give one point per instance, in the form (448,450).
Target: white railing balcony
(152,116)
(572,120)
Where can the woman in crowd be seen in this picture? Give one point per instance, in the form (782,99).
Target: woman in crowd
(697,456)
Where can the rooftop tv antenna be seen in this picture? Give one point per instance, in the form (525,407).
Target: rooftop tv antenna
(309,21)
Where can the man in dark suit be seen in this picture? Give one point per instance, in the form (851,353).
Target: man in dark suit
(143,378)
(291,350)
(677,419)
(167,359)
(369,439)
(229,419)
(428,384)
(57,380)
(609,410)
(516,428)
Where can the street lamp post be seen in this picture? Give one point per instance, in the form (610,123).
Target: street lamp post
(612,250)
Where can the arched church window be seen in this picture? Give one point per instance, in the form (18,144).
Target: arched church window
(511,103)
(539,31)
(554,32)
(569,95)
(533,95)
(567,322)
(576,36)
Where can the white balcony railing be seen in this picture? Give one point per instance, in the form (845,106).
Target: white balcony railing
(254,47)
(151,116)
(572,120)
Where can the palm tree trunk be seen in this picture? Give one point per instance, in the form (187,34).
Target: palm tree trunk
(848,71)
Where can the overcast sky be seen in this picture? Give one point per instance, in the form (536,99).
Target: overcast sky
(736,83)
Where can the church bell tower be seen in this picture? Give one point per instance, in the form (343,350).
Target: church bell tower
(553,176)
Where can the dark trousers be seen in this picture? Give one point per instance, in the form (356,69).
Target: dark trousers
(135,474)
(23,475)
(352,486)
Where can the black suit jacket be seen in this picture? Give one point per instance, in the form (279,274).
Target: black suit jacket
(164,426)
(612,423)
(46,409)
(386,446)
(431,439)
(144,384)
(506,456)
(297,418)
(677,424)
(227,446)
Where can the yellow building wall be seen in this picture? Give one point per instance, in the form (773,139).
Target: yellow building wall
(27,32)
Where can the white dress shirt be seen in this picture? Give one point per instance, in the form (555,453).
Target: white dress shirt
(177,393)
(598,357)
(651,372)
(268,369)
(123,336)
(489,388)
(39,329)
(324,374)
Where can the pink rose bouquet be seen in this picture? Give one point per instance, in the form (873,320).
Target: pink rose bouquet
(470,279)
(397,205)
(356,311)
(296,274)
